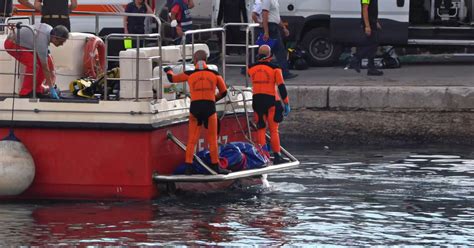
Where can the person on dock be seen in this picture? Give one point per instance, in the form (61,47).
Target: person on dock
(181,20)
(232,11)
(266,77)
(203,83)
(135,24)
(273,28)
(368,47)
(20,44)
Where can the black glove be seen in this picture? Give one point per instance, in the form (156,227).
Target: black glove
(167,69)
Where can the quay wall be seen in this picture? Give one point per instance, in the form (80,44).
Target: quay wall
(368,115)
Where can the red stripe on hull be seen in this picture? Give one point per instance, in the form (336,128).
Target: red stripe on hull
(105,164)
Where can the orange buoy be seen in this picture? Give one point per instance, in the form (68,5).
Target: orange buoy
(94,57)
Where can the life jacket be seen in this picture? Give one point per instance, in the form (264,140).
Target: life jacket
(186,19)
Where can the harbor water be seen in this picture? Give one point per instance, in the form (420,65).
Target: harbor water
(338,196)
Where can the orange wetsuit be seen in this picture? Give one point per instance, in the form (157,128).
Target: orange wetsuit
(266,78)
(202,84)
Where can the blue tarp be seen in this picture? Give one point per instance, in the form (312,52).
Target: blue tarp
(235,156)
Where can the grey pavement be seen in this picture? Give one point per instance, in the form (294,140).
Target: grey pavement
(437,72)
(431,83)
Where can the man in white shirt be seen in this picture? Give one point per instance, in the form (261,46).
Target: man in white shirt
(272,27)
(257,12)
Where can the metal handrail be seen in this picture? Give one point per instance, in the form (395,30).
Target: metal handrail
(138,38)
(123,14)
(20,25)
(98,15)
(244,100)
(199,31)
(250,27)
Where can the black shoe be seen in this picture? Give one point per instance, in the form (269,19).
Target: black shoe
(278,159)
(219,170)
(290,76)
(374,72)
(355,64)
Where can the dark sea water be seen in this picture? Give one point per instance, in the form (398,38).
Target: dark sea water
(339,196)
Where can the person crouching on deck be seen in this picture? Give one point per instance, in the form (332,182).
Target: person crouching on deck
(21,40)
(266,103)
(202,83)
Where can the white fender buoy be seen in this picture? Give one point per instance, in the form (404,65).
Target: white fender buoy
(17,168)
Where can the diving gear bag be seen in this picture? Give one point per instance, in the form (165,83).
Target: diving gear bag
(88,87)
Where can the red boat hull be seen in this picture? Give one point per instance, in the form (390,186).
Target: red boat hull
(95,164)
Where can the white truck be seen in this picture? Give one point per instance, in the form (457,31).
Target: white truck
(325,27)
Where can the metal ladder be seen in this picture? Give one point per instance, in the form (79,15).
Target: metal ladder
(249,46)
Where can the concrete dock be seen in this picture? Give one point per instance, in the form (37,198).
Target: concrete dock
(418,103)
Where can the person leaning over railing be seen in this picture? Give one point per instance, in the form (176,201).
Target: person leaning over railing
(56,12)
(19,41)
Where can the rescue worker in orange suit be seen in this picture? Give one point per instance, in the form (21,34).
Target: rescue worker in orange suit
(202,85)
(56,12)
(267,104)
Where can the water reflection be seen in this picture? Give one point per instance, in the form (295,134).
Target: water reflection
(339,197)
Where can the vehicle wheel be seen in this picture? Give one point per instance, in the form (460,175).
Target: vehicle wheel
(321,51)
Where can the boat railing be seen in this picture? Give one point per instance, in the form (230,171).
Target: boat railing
(97,16)
(17,19)
(241,92)
(138,38)
(249,46)
(16,72)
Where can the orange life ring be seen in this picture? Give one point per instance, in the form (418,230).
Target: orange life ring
(94,57)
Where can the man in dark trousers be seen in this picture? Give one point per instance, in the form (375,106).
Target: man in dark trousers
(55,12)
(233,11)
(368,48)
(272,29)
